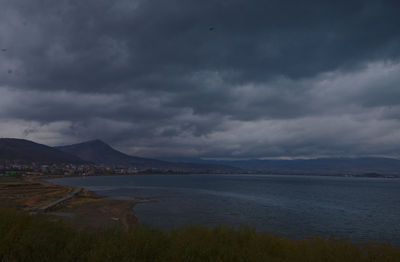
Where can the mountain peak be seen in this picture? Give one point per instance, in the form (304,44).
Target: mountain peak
(97,151)
(95,142)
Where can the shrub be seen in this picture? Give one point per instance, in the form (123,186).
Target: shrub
(25,237)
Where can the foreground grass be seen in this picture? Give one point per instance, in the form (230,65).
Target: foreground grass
(39,238)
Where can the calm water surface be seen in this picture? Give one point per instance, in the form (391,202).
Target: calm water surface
(295,206)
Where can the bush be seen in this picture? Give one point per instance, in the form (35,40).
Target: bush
(25,237)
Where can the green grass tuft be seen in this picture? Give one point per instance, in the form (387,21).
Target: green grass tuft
(26,237)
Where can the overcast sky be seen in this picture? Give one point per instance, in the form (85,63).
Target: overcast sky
(190,78)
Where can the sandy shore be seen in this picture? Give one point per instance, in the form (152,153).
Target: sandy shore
(85,210)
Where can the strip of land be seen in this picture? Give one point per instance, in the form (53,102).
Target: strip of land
(83,208)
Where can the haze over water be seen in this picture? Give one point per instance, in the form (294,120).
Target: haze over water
(296,206)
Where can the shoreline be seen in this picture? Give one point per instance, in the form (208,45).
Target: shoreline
(96,211)
(83,208)
(149,214)
(296,174)
(89,210)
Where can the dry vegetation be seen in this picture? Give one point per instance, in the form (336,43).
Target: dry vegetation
(38,238)
(86,210)
(28,194)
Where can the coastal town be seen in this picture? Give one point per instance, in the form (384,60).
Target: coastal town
(8,168)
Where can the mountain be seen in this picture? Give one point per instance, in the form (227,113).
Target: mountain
(319,165)
(100,153)
(25,151)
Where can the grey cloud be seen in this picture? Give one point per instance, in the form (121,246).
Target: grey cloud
(152,79)
(94,46)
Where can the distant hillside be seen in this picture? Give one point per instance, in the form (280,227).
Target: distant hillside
(25,151)
(100,153)
(320,165)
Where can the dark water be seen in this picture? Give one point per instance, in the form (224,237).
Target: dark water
(296,206)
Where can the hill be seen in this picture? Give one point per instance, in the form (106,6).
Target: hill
(100,153)
(25,151)
(355,166)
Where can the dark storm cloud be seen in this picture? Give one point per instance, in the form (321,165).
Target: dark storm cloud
(97,45)
(152,77)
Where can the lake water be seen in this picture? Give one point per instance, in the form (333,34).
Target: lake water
(296,206)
